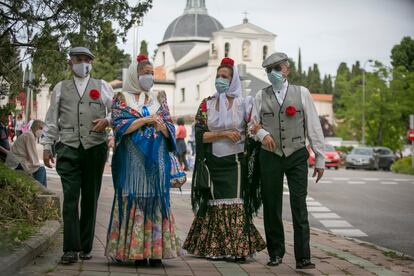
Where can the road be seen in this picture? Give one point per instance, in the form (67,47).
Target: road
(372,206)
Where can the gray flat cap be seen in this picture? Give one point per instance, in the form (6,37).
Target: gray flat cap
(274,59)
(76,51)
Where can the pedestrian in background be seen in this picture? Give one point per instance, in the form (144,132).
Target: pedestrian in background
(181,134)
(23,153)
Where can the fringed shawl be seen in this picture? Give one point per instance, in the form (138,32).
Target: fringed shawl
(141,164)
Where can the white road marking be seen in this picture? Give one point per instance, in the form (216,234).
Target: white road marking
(340,178)
(335,223)
(313,203)
(318,209)
(389,183)
(309,198)
(325,182)
(356,182)
(285,193)
(370,179)
(401,180)
(349,232)
(325,215)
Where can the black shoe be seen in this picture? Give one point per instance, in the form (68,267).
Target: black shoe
(274,261)
(305,264)
(143,262)
(69,257)
(155,263)
(240,260)
(85,256)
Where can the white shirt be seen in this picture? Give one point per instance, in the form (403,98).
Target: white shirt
(280,94)
(51,133)
(313,126)
(235,120)
(24,152)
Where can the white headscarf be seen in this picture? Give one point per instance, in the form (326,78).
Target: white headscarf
(131,83)
(235,90)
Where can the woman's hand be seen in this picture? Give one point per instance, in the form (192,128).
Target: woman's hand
(233,135)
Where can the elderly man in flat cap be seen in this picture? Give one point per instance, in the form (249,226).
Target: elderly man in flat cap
(77,117)
(285,116)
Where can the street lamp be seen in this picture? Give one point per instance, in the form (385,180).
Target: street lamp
(28,77)
(363,101)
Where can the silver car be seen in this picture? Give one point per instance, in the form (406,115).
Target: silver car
(362,158)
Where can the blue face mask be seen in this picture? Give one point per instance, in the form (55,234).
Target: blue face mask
(276,79)
(222,85)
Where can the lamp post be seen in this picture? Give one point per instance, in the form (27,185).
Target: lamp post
(28,77)
(363,102)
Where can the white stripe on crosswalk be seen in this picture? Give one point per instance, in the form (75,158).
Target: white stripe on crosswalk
(318,209)
(325,182)
(335,223)
(325,215)
(313,203)
(349,232)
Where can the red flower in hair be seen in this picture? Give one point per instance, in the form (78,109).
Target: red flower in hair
(227,61)
(291,110)
(141,57)
(94,94)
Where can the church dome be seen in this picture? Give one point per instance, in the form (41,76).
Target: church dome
(195,22)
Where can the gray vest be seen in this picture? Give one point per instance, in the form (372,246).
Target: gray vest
(76,115)
(287,131)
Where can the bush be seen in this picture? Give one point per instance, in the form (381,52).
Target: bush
(21,209)
(403,165)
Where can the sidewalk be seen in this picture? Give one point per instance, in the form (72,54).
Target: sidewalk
(333,255)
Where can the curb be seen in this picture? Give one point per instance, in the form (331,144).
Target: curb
(30,248)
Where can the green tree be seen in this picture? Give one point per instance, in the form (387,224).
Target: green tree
(343,76)
(109,59)
(382,109)
(326,85)
(144,48)
(403,54)
(45,29)
(314,79)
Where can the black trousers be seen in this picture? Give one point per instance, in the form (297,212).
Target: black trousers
(273,168)
(81,172)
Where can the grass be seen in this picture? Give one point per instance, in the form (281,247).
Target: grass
(21,212)
(403,165)
(395,255)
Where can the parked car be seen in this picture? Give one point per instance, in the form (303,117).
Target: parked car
(386,157)
(332,158)
(362,158)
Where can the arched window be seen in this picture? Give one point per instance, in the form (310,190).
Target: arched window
(246,50)
(226,49)
(264,52)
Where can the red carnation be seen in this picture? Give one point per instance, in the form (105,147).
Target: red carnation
(94,94)
(141,57)
(123,104)
(291,110)
(227,61)
(204,106)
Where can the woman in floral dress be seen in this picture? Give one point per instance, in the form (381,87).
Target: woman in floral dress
(221,227)
(142,226)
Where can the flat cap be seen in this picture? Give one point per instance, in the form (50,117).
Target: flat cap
(274,59)
(76,51)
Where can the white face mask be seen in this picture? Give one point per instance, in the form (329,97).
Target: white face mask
(82,70)
(146,81)
(39,133)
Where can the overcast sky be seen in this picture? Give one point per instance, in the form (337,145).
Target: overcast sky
(327,31)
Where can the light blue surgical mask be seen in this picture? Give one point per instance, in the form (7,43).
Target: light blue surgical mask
(276,79)
(222,85)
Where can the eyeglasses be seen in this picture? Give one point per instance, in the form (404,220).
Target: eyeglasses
(277,67)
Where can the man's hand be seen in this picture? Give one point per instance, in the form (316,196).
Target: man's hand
(318,172)
(269,143)
(233,135)
(255,128)
(99,125)
(48,158)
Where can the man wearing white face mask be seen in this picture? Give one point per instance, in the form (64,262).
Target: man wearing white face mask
(284,116)
(23,153)
(77,117)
